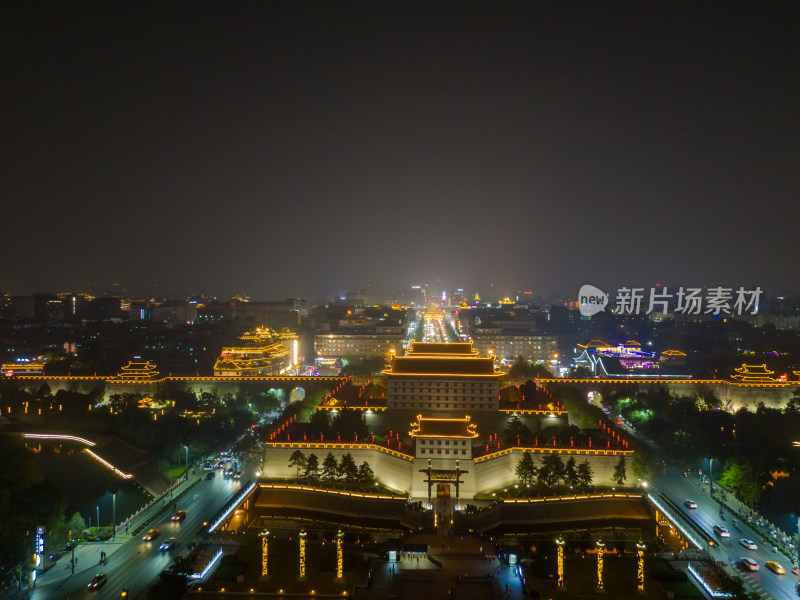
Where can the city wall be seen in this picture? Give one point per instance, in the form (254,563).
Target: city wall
(733,395)
(403,473)
(391,468)
(498,470)
(218,385)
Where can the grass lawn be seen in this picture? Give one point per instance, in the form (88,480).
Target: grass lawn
(176,472)
(283,567)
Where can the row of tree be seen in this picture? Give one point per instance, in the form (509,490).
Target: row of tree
(330,471)
(553,470)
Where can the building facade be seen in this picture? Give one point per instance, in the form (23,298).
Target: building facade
(443,377)
(509,345)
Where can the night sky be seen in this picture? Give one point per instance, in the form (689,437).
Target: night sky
(288,148)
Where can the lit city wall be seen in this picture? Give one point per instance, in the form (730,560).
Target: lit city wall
(391,470)
(401,473)
(498,470)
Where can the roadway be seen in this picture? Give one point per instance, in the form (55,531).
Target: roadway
(729,550)
(134,564)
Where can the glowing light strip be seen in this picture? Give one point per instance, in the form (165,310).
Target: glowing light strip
(108,464)
(659,379)
(208,566)
(58,436)
(675,522)
(326,491)
(234,505)
(712,593)
(565,498)
(341,445)
(553,450)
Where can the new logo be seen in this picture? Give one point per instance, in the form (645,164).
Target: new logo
(591,300)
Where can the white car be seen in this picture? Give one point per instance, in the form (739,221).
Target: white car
(721,532)
(749,544)
(168,544)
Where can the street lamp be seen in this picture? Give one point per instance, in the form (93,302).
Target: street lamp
(264,535)
(560,559)
(339,558)
(640,548)
(301,567)
(114,515)
(600,550)
(710,474)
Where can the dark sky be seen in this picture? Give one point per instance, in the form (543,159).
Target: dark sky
(289,148)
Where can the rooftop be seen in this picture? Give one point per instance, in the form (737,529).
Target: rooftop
(463,349)
(451,428)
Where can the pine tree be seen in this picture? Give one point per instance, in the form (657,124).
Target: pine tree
(551,471)
(526,469)
(312,468)
(347,469)
(619,471)
(365,474)
(570,472)
(330,468)
(297,460)
(585,473)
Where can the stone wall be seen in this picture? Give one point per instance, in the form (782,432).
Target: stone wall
(399,472)
(391,468)
(498,470)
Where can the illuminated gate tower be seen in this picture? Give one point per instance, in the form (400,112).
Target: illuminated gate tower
(443,378)
(444,443)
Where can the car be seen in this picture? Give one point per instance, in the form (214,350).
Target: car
(168,544)
(749,544)
(237,475)
(151,535)
(775,567)
(749,564)
(98,581)
(179,516)
(211,474)
(721,531)
(690,503)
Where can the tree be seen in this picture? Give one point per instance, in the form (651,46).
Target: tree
(551,471)
(570,472)
(349,424)
(517,429)
(526,469)
(619,471)
(581,372)
(330,468)
(523,368)
(365,474)
(738,475)
(584,473)
(347,469)
(297,460)
(312,468)
(75,526)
